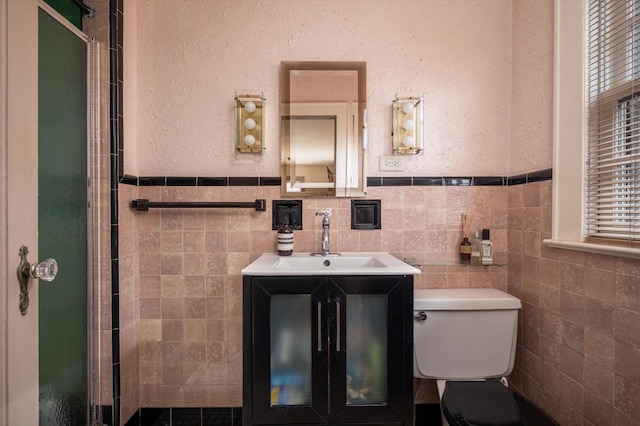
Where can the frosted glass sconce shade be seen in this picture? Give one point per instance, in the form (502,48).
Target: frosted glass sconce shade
(407,124)
(249,122)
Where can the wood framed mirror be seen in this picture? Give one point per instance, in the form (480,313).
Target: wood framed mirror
(323,129)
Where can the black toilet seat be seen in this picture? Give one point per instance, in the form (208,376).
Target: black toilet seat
(472,403)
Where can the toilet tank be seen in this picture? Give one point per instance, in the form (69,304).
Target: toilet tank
(467,333)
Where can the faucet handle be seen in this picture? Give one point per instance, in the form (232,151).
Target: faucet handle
(325,217)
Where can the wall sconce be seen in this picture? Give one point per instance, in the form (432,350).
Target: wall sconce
(249,122)
(407,124)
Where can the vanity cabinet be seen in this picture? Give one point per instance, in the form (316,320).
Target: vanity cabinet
(328,350)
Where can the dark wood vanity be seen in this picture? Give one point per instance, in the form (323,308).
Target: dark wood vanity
(328,350)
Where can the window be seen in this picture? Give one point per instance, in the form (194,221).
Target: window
(596,141)
(612,182)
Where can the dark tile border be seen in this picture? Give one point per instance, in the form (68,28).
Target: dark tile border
(397,181)
(196,416)
(243,181)
(182,181)
(107,411)
(116,149)
(270,181)
(537,176)
(372,181)
(425,414)
(428,181)
(213,181)
(152,181)
(540,175)
(457,181)
(129,180)
(490,181)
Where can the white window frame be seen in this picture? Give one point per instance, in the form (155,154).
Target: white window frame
(569,124)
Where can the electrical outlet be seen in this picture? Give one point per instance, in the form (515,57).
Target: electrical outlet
(391,163)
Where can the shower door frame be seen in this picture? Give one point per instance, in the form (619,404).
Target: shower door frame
(92,213)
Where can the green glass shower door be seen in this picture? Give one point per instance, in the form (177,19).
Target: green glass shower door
(62,222)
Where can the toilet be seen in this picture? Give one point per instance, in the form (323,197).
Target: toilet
(465,339)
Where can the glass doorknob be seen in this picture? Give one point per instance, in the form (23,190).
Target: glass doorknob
(45,270)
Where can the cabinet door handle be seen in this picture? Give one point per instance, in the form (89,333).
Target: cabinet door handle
(319,327)
(338,326)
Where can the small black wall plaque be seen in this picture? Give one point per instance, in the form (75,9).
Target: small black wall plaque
(287,209)
(365,214)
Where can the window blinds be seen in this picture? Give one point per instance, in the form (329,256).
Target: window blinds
(612,210)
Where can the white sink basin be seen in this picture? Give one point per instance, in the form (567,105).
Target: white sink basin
(376,263)
(323,262)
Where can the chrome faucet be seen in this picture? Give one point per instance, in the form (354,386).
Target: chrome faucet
(325,232)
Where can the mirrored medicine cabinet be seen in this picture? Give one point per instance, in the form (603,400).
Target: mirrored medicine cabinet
(323,129)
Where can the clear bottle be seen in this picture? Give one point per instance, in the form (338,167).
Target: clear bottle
(475,249)
(285,238)
(487,248)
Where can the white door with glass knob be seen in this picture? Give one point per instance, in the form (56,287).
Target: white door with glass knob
(30,193)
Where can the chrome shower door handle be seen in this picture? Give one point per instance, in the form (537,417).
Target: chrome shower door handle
(45,270)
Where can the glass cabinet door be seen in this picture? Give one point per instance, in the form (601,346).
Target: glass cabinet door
(369,358)
(366,346)
(289,355)
(290,351)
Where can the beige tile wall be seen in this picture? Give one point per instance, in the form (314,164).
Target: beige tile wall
(579,340)
(190,288)
(130,306)
(579,345)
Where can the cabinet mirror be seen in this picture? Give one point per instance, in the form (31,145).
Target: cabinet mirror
(323,128)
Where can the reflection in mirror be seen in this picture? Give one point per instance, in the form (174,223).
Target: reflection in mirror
(322,117)
(316,156)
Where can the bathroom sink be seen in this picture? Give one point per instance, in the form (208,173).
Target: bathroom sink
(375,263)
(323,262)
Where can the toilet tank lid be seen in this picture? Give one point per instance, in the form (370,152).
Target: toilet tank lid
(441,299)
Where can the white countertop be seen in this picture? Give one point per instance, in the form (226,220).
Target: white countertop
(350,263)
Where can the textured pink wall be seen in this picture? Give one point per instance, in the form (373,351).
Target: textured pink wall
(192,55)
(532,86)
(488,66)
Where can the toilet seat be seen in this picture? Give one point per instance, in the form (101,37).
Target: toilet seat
(479,403)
